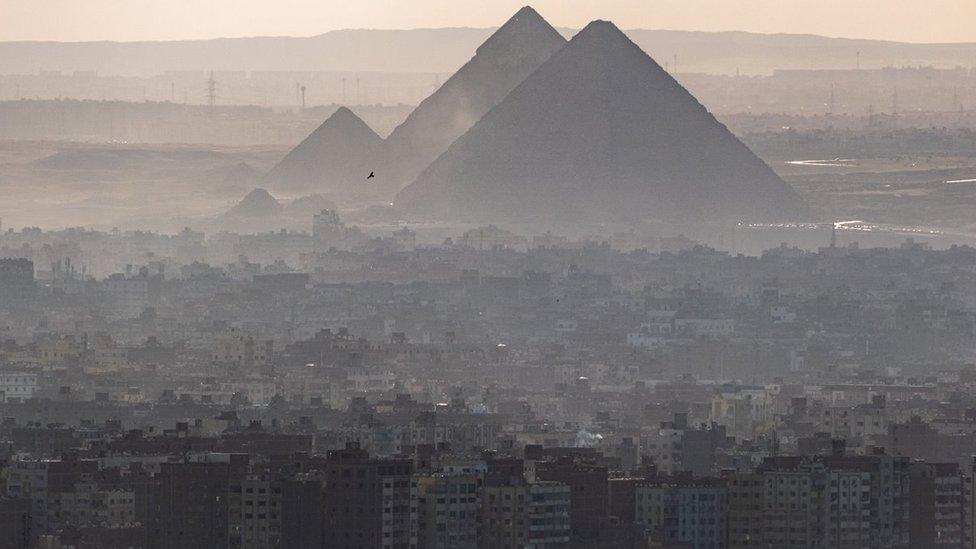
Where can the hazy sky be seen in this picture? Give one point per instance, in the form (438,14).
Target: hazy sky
(910,20)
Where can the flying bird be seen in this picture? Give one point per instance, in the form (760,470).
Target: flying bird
(370,176)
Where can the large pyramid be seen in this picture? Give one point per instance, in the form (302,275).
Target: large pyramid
(334,159)
(600,132)
(512,53)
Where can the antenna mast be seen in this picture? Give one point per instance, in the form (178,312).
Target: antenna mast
(212,90)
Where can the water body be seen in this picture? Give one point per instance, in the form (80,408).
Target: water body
(835,162)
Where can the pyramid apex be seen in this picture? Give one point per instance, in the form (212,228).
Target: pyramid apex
(603,36)
(527,11)
(525,25)
(601,27)
(344,119)
(343,111)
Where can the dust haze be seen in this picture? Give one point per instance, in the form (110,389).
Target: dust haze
(682,276)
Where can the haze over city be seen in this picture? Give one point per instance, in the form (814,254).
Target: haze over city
(472,275)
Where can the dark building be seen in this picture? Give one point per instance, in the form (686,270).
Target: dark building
(152,352)
(684,511)
(368,502)
(938,506)
(15,523)
(745,501)
(622,494)
(920,440)
(589,494)
(699,447)
(301,513)
(16,282)
(809,501)
(191,503)
(281,282)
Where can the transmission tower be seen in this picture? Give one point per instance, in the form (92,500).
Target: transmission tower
(212,90)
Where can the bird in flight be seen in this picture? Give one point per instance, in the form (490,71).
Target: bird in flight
(370,176)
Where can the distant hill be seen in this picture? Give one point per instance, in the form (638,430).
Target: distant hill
(600,132)
(445,50)
(122,159)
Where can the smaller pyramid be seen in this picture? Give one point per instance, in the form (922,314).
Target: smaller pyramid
(333,160)
(232,180)
(257,203)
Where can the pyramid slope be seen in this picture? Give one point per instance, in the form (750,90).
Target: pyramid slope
(333,159)
(513,52)
(600,132)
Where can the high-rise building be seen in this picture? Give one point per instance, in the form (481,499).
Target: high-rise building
(301,511)
(15,523)
(589,494)
(16,282)
(368,502)
(448,506)
(684,511)
(254,512)
(823,501)
(519,513)
(745,504)
(547,515)
(938,505)
(190,507)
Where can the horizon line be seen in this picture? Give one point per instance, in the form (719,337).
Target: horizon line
(473,28)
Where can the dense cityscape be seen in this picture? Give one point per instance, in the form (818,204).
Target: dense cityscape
(495,390)
(523,286)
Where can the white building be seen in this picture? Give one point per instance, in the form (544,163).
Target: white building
(17,386)
(709,328)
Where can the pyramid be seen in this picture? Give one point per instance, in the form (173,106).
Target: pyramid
(257,203)
(600,132)
(334,159)
(509,55)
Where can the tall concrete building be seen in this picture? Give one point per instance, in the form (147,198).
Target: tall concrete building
(16,282)
(589,494)
(938,505)
(448,506)
(826,501)
(683,511)
(368,502)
